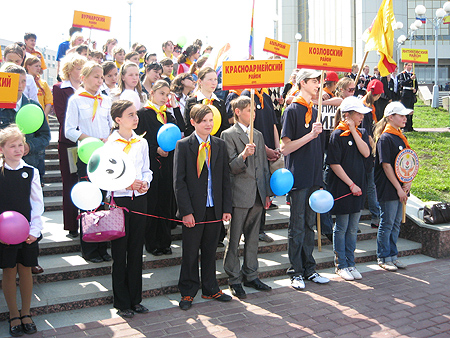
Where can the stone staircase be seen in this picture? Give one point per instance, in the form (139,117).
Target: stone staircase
(69,282)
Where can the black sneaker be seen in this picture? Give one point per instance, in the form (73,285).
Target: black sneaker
(185,303)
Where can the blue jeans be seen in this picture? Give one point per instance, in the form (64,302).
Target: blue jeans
(374,206)
(345,232)
(301,233)
(391,216)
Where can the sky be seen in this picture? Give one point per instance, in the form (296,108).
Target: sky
(153,22)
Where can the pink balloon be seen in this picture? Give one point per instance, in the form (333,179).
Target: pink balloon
(14,227)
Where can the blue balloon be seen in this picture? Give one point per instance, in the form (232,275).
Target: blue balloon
(321,201)
(167,136)
(281,182)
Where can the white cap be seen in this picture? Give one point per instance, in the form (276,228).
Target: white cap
(396,108)
(352,103)
(304,74)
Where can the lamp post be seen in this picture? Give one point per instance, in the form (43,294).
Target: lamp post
(400,41)
(436,21)
(130,2)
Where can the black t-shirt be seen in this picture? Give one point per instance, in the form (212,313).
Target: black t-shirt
(343,150)
(306,162)
(388,147)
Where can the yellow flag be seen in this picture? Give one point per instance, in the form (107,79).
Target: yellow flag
(381,37)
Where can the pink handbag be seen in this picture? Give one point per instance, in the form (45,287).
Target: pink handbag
(103,225)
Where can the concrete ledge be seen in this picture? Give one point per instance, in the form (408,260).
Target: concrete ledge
(435,239)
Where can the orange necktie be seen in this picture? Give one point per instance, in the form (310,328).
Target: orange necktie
(208,101)
(329,92)
(201,157)
(160,113)
(344,126)
(302,101)
(391,130)
(96,99)
(128,143)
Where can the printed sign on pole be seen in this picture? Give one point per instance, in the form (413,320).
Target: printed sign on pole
(324,57)
(9,86)
(253,74)
(415,55)
(276,47)
(89,20)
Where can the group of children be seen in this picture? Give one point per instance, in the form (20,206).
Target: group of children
(214,175)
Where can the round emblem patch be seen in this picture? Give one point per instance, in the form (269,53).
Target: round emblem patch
(25,174)
(406,165)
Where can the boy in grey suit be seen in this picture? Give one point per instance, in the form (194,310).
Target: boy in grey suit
(250,195)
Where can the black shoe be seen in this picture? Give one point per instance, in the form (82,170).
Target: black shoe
(220,245)
(156,252)
(28,328)
(258,285)
(36,270)
(237,290)
(167,251)
(185,303)
(139,308)
(220,296)
(128,313)
(94,259)
(72,234)
(374,226)
(107,258)
(359,231)
(272,206)
(16,330)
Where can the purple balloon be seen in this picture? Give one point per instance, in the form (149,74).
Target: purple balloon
(14,227)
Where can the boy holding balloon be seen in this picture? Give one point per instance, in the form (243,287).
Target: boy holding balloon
(20,227)
(302,146)
(251,194)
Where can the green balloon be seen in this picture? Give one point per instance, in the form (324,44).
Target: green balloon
(29,118)
(87,147)
(181,41)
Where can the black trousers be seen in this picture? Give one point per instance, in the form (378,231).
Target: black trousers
(202,237)
(127,254)
(89,250)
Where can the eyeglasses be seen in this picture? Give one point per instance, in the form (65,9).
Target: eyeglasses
(351,90)
(142,51)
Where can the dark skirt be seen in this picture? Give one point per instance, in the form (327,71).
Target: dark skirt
(25,254)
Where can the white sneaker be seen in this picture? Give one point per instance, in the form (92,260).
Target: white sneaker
(316,278)
(355,273)
(345,274)
(389,266)
(297,282)
(399,264)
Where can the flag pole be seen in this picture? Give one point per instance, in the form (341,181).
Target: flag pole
(319,109)
(360,68)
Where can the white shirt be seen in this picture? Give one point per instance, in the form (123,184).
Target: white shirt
(79,117)
(139,156)
(31,90)
(36,199)
(201,96)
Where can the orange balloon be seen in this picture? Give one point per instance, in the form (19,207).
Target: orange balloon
(217,118)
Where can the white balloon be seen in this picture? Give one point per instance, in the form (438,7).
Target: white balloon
(110,169)
(86,196)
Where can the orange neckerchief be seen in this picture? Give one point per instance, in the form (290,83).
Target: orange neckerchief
(117,64)
(188,62)
(302,101)
(128,143)
(391,130)
(201,157)
(374,116)
(160,113)
(344,126)
(329,92)
(236,91)
(260,97)
(96,99)
(208,101)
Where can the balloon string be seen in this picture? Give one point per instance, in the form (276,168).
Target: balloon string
(343,196)
(160,217)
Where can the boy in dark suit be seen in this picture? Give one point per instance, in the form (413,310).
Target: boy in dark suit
(202,191)
(250,190)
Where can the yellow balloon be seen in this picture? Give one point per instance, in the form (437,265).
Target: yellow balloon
(217,118)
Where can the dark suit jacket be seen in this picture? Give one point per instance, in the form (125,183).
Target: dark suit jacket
(190,190)
(250,176)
